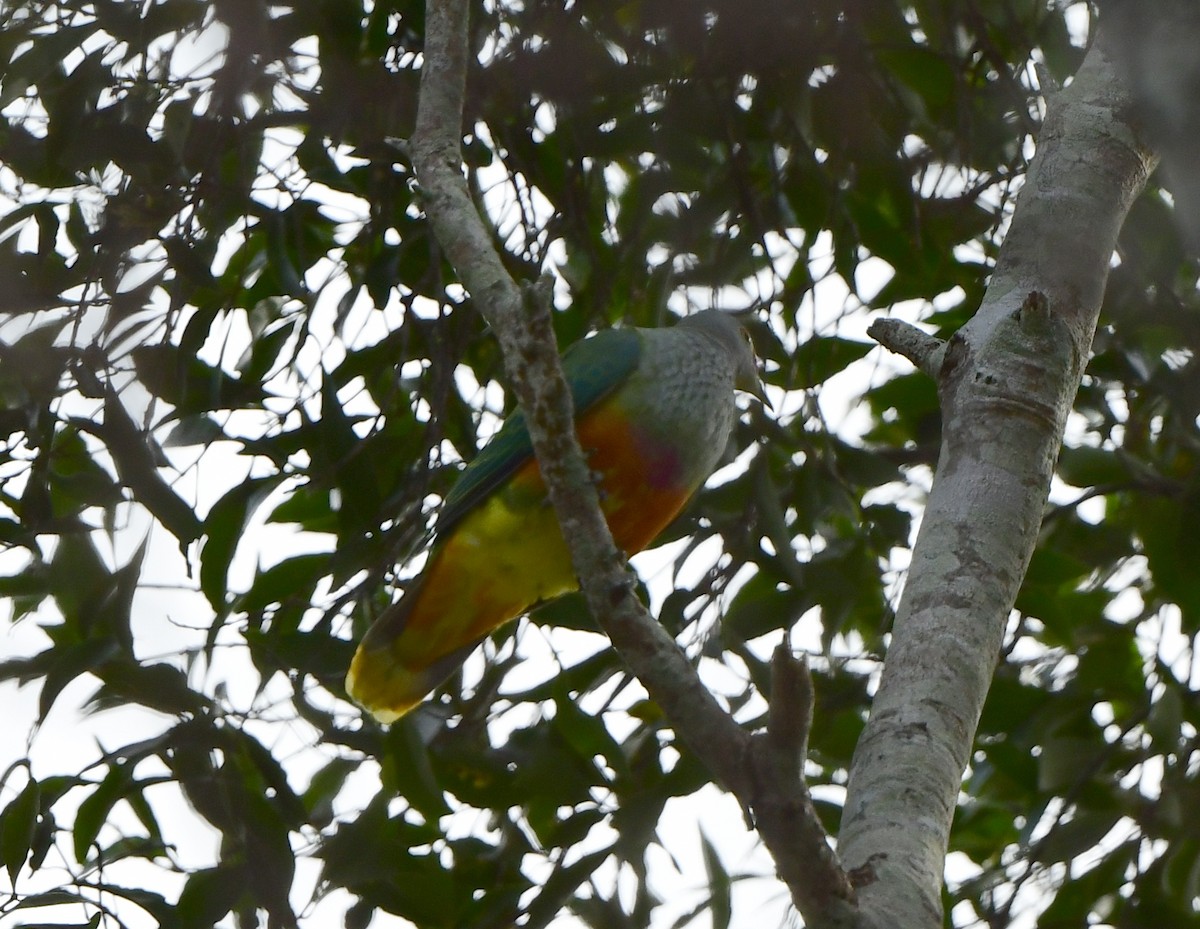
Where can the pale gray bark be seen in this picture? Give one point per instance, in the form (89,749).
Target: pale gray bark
(1007,381)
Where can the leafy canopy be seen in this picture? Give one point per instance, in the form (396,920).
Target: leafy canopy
(233,361)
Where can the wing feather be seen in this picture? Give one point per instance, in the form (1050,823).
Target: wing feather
(594,368)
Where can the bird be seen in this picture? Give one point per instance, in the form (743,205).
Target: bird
(654,411)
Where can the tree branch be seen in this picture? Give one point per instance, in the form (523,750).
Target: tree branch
(521,321)
(922,349)
(782,805)
(1006,381)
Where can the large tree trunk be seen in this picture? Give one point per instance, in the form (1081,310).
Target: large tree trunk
(1007,381)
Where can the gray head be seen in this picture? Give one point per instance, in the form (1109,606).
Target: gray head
(727,332)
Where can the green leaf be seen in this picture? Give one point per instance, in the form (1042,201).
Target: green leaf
(924,71)
(18,823)
(68,663)
(14,534)
(262,357)
(1077,836)
(79,579)
(556,891)
(342,459)
(980,828)
(1164,527)
(156,685)
(569,611)
(207,896)
(307,506)
(1165,722)
(132,450)
(324,788)
(1088,467)
(189,384)
(165,914)
(75,480)
(292,578)
(1063,759)
(720,887)
(95,809)
(223,528)
(315,653)
(763,604)
(49,898)
(821,357)
(1082,895)
(196,429)
(131,846)
(587,734)
(408,769)
(380,857)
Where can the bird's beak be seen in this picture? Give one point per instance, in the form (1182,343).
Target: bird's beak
(754,387)
(761,393)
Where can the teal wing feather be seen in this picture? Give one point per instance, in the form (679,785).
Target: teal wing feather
(594,368)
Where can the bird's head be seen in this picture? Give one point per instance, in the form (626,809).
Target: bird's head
(727,331)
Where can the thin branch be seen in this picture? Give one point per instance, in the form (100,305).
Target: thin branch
(521,320)
(782,806)
(922,349)
(791,709)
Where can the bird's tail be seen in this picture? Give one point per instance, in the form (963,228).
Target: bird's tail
(388,676)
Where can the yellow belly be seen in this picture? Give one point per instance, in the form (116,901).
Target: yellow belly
(504,557)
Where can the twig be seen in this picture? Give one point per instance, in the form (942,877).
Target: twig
(922,349)
(791,708)
(782,806)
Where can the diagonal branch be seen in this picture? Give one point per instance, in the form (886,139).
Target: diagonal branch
(521,320)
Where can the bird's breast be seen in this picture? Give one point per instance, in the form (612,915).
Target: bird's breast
(644,480)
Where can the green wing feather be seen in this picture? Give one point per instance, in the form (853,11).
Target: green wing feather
(594,368)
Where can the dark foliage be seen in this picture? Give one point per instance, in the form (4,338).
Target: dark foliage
(221,308)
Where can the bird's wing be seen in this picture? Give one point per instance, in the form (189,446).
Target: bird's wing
(593,368)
